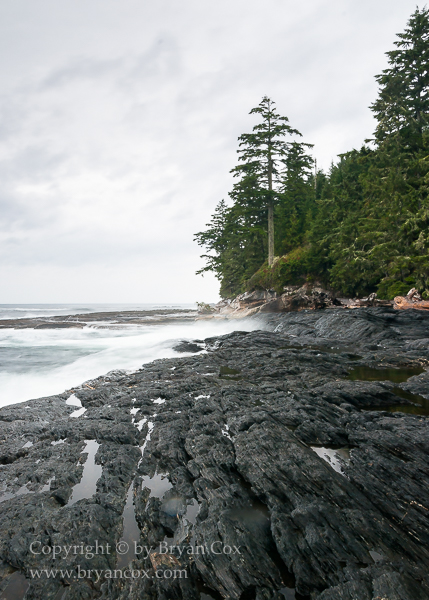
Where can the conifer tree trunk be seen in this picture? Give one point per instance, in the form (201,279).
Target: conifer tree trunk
(270,215)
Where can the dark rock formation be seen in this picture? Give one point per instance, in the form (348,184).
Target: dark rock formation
(186,346)
(269,471)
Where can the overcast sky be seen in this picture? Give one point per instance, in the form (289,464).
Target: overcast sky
(119,123)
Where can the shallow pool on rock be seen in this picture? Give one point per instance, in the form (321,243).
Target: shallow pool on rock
(420,404)
(130,534)
(398,375)
(16,587)
(336,458)
(86,488)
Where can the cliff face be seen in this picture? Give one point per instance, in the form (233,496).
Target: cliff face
(295,458)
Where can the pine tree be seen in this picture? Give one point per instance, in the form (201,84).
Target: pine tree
(262,153)
(213,238)
(402,108)
(239,237)
(296,205)
(396,187)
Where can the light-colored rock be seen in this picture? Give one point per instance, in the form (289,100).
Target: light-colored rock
(245,304)
(411,300)
(370,300)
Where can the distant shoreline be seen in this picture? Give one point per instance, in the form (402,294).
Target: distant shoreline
(113,318)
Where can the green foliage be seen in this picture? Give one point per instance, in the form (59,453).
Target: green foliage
(214,240)
(402,108)
(387,289)
(362,227)
(287,270)
(296,205)
(272,172)
(263,151)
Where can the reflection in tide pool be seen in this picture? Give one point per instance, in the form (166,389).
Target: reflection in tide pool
(23,490)
(16,587)
(396,375)
(335,458)
(87,486)
(131,532)
(420,404)
(158,484)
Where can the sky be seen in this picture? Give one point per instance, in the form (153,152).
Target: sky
(119,123)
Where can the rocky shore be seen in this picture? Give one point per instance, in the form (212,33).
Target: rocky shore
(103,319)
(307,296)
(288,462)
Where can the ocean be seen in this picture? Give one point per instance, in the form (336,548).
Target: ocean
(37,362)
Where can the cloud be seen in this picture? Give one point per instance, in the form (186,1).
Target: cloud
(119,126)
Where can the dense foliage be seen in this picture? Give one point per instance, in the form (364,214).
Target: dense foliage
(360,228)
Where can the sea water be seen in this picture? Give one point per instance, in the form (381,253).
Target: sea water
(41,362)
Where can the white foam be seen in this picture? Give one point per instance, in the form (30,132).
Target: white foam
(105,350)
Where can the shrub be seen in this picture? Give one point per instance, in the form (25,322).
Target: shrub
(290,269)
(387,289)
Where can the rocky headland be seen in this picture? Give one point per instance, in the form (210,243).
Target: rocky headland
(288,462)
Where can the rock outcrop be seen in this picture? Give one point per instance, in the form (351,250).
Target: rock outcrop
(289,462)
(293,298)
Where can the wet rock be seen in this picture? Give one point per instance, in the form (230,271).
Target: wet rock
(186,346)
(231,459)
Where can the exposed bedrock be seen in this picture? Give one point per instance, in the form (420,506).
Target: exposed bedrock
(289,462)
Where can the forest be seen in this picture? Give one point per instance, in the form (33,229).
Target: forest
(360,228)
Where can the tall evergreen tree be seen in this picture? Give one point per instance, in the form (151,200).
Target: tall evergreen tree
(239,237)
(214,240)
(262,153)
(396,186)
(402,107)
(296,201)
